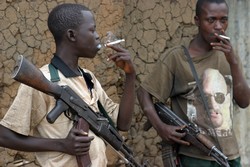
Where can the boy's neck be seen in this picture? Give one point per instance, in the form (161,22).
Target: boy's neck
(199,47)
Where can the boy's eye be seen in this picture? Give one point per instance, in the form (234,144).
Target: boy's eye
(224,20)
(210,20)
(91,29)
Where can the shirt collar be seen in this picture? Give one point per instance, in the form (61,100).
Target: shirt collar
(58,63)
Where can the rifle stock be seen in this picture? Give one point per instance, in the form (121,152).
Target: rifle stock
(193,134)
(26,73)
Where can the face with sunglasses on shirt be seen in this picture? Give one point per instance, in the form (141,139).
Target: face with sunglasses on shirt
(218,98)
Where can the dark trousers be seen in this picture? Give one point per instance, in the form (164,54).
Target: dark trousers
(170,159)
(195,162)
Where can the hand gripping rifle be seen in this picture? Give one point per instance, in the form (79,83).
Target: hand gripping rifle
(26,73)
(193,134)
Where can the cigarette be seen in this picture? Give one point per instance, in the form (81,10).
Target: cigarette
(225,37)
(115,42)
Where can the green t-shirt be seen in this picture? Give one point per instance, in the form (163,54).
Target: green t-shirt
(172,78)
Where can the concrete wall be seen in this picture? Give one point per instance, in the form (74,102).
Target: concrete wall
(239,31)
(149,27)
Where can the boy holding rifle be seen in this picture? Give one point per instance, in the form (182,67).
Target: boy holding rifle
(212,55)
(74,30)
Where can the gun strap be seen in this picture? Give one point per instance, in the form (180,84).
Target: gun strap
(54,77)
(198,83)
(105,114)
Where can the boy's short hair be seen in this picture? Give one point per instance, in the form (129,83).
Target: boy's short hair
(63,17)
(201,2)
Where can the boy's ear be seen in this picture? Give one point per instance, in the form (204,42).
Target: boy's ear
(196,21)
(71,35)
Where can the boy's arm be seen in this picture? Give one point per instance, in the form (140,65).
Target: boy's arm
(166,132)
(76,143)
(123,60)
(241,90)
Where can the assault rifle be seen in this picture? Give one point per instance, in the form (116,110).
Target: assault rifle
(193,134)
(26,73)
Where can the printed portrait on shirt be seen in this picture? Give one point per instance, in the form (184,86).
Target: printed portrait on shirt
(217,91)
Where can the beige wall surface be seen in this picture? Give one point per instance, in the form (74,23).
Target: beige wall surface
(149,27)
(240,38)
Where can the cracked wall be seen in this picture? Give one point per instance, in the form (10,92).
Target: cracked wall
(149,28)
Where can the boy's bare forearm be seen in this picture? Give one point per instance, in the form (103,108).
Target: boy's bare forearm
(127,103)
(13,140)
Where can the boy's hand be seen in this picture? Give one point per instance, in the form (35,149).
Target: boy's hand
(172,134)
(122,59)
(77,142)
(225,46)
